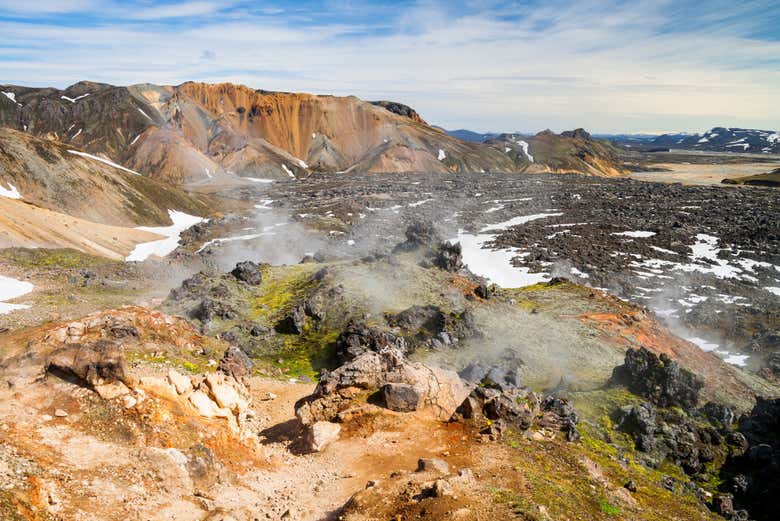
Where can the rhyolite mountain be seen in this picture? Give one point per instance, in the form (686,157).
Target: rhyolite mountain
(723,139)
(574,151)
(196,132)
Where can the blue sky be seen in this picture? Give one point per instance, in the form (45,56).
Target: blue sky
(606,65)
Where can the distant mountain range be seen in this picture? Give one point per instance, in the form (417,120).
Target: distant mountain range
(722,139)
(719,139)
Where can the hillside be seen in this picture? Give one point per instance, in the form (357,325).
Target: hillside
(54,175)
(198,132)
(569,152)
(768,179)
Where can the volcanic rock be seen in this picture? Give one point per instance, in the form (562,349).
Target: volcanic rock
(442,390)
(661,380)
(248,272)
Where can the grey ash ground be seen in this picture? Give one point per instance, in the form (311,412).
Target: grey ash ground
(707,259)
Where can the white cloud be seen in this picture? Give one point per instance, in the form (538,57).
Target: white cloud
(557,66)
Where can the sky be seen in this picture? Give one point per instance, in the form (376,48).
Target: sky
(604,65)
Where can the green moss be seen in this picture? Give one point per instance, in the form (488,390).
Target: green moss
(63,258)
(608,508)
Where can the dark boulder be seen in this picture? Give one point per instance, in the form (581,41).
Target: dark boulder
(449,257)
(419,235)
(402,397)
(357,338)
(248,272)
(659,379)
(418,319)
(210,309)
(293,324)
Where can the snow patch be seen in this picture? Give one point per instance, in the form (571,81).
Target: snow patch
(442,155)
(102,160)
(287,169)
(524,146)
(496,264)
(259,180)
(11,289)
(172,233)
(11,96)
(74,100)
(144,113)
(636,234)
(11,192)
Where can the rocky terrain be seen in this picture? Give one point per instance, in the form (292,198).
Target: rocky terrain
(704,259)
(480,334)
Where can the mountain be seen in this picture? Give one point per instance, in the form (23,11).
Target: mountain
(469,135)
(722,139)
(198,132)
(573,151)
(60,178)
(55,196)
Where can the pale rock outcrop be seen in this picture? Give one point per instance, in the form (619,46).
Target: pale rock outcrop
(320,435)
(440,391)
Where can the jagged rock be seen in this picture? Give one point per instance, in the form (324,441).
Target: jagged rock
(442,391)
(181,383)
(206,407)
(419,234)
(402,397)
(661,380)
(248,272)
(755,461)
(236,363)
(416,318)
(640,422)
(292,324)
(357,338)
(93,364)
(158,387)
(560,415)
(224,391)
(449,257)
(210,308)
(719,414)
(517,407)
(321,434)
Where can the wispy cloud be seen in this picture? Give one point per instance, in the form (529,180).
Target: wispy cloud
(603,64)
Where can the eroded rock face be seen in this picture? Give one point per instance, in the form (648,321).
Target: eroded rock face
(441,391)
(659,379)
(93,364)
